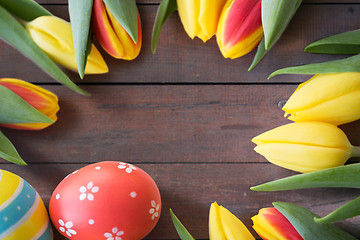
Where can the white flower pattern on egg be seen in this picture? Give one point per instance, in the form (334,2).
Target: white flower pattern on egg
(128,167)
(154,210)
(66,228)
(114,235)
(88,191)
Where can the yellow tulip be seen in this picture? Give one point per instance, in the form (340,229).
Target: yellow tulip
(332,98)
(223,225)
(200,17)
(53,35)
(305,147)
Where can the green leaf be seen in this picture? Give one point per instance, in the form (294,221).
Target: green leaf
(303,221)
(344,176)
(275,16)
(27,10)
(80,16)
(181,230)
(343,43)
(8,151)
(351,64)
(12,32)
(126,13)
(349,210)
(260,53)
(166,8)
(14,109)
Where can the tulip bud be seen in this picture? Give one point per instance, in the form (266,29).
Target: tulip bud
(332,98)
(223,225)
(200,17)
(240,29)
(111,35)
(305,147)
(270,224)
(41,99)
(53,35)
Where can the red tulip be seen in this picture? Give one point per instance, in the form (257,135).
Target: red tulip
(270,224)
(111,35)
(240,29)
(41,99)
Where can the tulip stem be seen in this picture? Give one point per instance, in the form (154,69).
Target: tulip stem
(355,151)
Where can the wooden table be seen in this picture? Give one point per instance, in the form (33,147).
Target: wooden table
(186,116)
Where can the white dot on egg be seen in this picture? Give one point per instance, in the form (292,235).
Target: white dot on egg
(57,196)
(91,221)
(28,195)
(6,219)
(98,168)
(18,208)
(133,194)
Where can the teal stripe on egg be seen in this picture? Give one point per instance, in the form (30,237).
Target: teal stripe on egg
(17,208)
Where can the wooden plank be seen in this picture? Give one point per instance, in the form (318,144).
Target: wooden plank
(189,189)
(159,124)
(179,59)
(182,123)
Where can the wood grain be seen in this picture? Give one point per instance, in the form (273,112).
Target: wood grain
(180,59)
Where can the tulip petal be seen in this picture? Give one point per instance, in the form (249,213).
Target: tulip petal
(302,158)
(314,134)
(331,98)
(39,98)
(343,43)
(80,16)
(181,230)
(166,8)
(239,29)
(8,151)
(27,10)
(216,230)
(271,224)
(126,13)
(54,37)
(303,221)
(14,34)
(350,64)
(344,176)
(349,210)
(223,225)
(14,109)
(234,229)
(112,36)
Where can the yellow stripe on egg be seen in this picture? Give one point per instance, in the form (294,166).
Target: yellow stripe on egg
(30,224)
(9,185)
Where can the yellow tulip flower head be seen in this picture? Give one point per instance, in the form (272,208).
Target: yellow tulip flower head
(305,147)
(223,225)
(54,36)
(331,98)
(200,17)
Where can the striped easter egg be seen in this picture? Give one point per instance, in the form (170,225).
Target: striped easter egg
(23,215)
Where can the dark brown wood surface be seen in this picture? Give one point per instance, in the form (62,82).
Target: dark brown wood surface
(186,116)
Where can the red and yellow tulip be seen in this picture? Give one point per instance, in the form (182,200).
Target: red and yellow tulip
(41,99)
(270,224)
(111,35)
(200,17)
(240,29)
